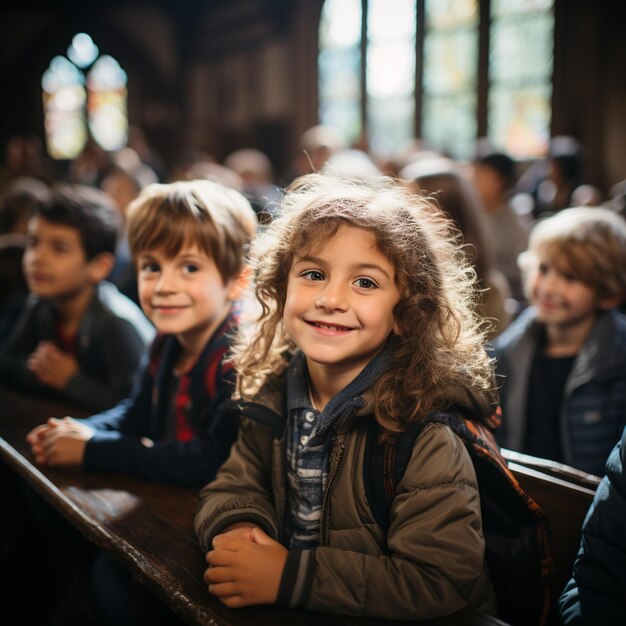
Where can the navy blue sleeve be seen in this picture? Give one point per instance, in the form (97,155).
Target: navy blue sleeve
(192,463)
(596,593)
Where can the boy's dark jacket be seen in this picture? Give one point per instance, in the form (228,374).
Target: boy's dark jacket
(427,561)
(148,412)
(593,412)
(112,338)
(596,593)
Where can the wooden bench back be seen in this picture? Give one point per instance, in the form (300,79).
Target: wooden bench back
(553,468)
(566,505)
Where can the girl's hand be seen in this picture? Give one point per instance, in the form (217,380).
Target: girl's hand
(242,571)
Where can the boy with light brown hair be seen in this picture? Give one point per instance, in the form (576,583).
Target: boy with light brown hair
(563,361)
(188,240)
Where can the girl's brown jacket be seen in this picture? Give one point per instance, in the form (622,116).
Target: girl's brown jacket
(431,561)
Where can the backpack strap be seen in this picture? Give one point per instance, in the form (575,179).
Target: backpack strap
(212,373)
(387,460)
(516,530)
(389,467)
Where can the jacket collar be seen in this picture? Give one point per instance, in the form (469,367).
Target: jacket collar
(352,400)
(271,406)
(603,349)
(47,316)
(171,349)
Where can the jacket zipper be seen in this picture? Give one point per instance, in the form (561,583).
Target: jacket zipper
(338,454)
(338,457)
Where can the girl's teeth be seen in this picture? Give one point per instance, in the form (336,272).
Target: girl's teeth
(329,327)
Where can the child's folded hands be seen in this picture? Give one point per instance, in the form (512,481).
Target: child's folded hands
(245,567)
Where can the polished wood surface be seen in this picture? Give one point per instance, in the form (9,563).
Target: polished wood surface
(553,468)
(148,527)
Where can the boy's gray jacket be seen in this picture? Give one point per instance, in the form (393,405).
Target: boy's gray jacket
(112,337)
(431,561)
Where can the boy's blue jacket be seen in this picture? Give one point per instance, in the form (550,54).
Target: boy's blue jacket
(593,412)
(596,594)
(112,338)
(148,412)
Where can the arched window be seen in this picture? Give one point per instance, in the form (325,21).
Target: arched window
(64,99)
(106,87)
(446,71)
(75,106)
(520,71)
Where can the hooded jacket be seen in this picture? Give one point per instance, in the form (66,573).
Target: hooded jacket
(429,563)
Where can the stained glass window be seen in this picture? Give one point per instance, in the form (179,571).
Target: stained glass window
(82,51)
(106,86)
(520,67)
(449,111)
(75,106)
(339,66)
(390,73)
(64,100)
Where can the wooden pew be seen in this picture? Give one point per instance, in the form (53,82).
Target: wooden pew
(552,468)
(148,528)
(566,504)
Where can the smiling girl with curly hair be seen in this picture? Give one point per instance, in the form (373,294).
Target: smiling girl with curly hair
(366,326)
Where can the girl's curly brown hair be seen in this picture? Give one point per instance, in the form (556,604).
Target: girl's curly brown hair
(441,344)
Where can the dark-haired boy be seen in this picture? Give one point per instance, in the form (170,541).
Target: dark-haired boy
(77,335)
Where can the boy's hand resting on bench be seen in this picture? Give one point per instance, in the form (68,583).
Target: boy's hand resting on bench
(60,442)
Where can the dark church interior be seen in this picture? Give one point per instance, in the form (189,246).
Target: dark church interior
(232,91)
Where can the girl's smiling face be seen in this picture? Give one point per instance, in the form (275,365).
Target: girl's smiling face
(340,301)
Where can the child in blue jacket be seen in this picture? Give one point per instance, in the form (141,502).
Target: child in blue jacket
(596,593)
(563,361)
(188,241)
